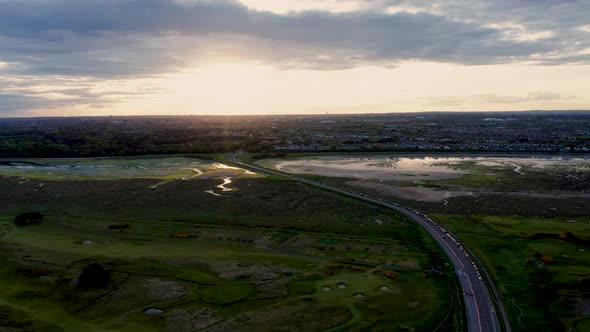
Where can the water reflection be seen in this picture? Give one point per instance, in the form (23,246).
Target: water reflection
(223,187)
(417,167)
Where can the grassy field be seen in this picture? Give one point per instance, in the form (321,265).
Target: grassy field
(146,167)
(515,177)
(267,255)
(531,229)
(542,281)
(231,281)
(530,226)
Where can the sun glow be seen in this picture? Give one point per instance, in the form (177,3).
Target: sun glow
(240,88)
(254,88)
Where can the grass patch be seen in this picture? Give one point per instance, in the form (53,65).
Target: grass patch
(20,320)
(227,293)
(249,251)
(518,268)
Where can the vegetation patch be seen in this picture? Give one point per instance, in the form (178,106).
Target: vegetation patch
(533,271)
(567,237)
(227,293)
(28,218)
(119,226)
(12,319)
(248,259)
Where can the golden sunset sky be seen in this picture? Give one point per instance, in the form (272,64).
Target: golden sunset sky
(136,57)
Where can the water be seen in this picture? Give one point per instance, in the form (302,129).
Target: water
(223,187)
(417,168)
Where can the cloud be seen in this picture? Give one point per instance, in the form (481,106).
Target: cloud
(105,41)
(145,37)
(562,25)
(13,103)
(454,101)
(54,92)
(531,96)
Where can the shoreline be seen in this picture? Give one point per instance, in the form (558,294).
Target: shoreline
(438,154)
(289,155)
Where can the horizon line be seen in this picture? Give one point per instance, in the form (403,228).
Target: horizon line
(289,114)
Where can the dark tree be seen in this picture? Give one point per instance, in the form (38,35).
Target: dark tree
(28,218)
(94,276)
(119,226)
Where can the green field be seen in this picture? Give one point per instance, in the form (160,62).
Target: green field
(264,256)
(532,231)
(148,167)
(536,290)
(527,221)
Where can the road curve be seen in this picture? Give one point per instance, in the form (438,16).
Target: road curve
(481,314)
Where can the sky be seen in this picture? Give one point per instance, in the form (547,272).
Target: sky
(168,57)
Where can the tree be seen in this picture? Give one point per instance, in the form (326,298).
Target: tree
(28,218)
(94,276)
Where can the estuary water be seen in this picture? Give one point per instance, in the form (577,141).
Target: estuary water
(384,167)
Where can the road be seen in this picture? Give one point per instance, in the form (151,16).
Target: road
(481,314)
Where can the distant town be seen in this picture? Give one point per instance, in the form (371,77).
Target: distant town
(534,131)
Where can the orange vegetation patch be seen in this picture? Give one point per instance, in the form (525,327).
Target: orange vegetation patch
(568,237)
(180,235)
(547,259)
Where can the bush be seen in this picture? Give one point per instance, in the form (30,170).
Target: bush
(28,218)
(119,226)
(94,276)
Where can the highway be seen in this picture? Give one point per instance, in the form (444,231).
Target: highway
(480,311)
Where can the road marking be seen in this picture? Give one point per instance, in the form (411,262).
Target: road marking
(493,315)
(474,301)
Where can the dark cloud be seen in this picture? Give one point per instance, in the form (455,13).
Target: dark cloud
(20,96)
(558,22)
(140,37)
(14,103)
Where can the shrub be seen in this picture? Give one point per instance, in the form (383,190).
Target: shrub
(119,226)
(94,276)
(28,218)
